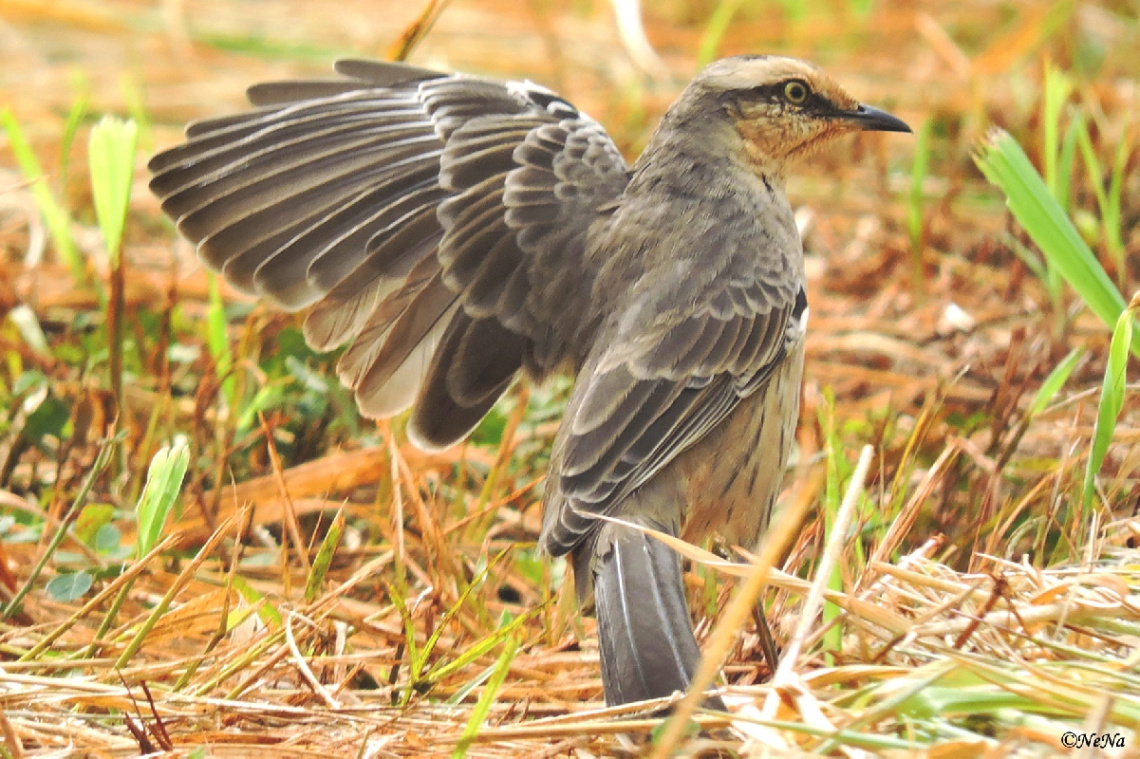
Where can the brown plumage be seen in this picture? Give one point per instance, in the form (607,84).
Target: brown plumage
(458,231)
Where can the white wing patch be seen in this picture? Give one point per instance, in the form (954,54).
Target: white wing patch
(797,325)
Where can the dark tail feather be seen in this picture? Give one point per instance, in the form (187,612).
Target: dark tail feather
(646,637)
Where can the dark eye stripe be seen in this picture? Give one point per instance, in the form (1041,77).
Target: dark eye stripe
(764,92)
(815,103)
(777,91)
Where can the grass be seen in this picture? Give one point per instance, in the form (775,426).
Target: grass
(219,556)
(49,206)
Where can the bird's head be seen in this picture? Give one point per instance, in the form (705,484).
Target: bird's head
(780,108)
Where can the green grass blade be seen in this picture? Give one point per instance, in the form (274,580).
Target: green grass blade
(433,638)
(487,700)
(1057,89)
(1034,263)
(715,29)
(111,161)
(267,612)
(111,157)
(1005,164)
(919,171)
(1092,163)
(479,648)
(163,484)
(70,130)
(323,560)
(55,215)
(218,340)
(64,526)
(1112,395)
(1055,381)
(1110,214)
(1065,161)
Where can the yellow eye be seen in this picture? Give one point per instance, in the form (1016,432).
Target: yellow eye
(795,92)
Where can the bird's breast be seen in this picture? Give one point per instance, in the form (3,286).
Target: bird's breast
(733,476)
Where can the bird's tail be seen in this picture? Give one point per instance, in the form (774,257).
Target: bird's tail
(648,649)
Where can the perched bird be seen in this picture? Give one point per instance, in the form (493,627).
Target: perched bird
(458,231)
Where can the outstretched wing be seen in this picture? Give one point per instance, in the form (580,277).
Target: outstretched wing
(690,347)
(436,222)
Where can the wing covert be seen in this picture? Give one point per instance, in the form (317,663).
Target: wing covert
(650,398)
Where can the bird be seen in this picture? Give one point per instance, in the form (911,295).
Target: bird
(458,232)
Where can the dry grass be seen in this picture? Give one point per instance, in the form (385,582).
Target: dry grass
(975,606)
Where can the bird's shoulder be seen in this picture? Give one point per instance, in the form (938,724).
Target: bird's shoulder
(679,265)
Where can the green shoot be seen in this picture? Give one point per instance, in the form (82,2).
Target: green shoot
(1108,200)
(112,163)
(838,472)
(163,484)
(498,676)
(62,529)
(919,171)
(1054,382)
(1057,89)
(218,341)
(1065,161)
(715,30)
(1005,164)
(70,129)
(323,560)
(1111,396)
(111,160)
(55,215)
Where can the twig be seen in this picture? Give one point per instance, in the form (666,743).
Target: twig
(303,666)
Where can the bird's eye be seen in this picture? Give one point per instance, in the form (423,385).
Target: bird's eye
(796,92)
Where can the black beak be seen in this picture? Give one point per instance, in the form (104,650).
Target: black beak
(873,120)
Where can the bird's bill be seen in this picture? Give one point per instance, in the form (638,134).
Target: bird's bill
(871,119)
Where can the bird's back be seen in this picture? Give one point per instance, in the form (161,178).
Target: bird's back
(700,297)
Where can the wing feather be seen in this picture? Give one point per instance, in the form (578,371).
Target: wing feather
(684,356)
(422,216)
